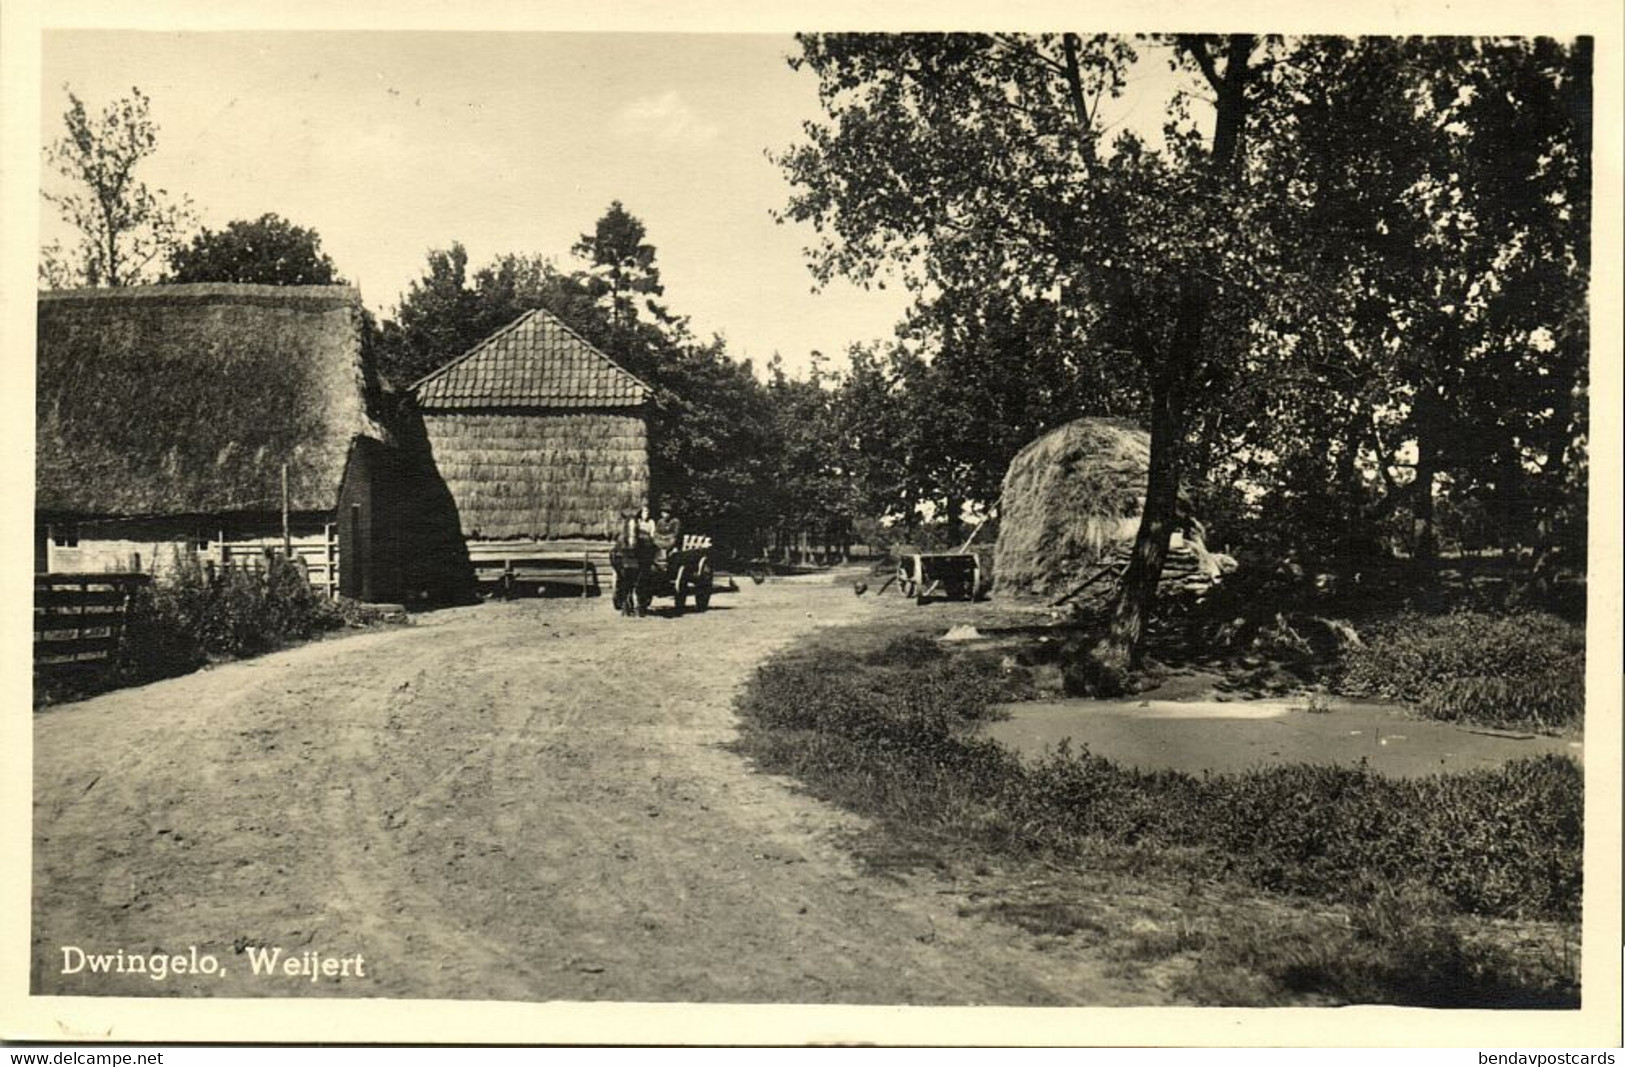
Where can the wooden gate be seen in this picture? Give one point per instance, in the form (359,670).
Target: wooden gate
(79,619)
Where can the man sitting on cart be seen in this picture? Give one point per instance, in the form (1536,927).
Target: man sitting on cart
(668,535)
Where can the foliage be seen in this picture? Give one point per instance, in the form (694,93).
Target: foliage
(1413,362)
(191,617)
(714,436)
(620,264)
(124,225)
(1380,251)
(890,736)
(267,251)
(1519,669)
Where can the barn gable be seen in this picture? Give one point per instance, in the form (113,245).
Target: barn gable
(537,434)
(536,361)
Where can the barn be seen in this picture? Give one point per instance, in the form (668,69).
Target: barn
(206,420)
(541,440)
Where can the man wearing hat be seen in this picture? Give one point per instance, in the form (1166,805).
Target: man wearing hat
(668,535)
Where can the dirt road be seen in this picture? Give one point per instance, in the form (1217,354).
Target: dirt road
(514,801)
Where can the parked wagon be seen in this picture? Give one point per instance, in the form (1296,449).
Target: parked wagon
(955,575)
(685,575)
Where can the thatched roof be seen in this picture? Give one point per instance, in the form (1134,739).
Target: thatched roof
(188,399)
(536,361)
(1069,497)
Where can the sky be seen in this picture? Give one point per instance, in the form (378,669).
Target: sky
(394,143)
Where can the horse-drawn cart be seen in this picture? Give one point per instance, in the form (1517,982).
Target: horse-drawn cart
(684,574)
(956,575)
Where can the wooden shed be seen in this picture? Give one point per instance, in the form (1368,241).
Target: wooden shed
(541,440)
(183,420)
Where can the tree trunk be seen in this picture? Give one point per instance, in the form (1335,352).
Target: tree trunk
(1425,539)
(1120,651)
(1172,369)
(1425,547)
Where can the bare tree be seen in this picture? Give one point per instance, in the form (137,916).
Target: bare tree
(124,225)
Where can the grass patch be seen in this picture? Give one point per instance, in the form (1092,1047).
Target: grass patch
(885,724)
(1403,946)
(1524,669)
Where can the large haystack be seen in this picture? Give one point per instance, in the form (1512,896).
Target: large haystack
(1070,498)
(538,434)
(190,398)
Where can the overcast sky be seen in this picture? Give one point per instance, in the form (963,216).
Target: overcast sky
(389,144)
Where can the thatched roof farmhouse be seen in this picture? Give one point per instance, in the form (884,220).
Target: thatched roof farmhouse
(167,416)
(540,438)
(1072,501)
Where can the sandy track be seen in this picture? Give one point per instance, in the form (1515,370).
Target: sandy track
(523,801)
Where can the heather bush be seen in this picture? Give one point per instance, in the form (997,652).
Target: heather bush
(1518,669)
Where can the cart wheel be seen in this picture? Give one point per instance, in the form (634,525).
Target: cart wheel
(702,588)
(679,589)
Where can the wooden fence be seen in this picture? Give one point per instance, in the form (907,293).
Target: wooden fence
(79,619)
(317,554)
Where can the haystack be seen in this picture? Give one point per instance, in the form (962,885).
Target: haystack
(1071,505)
(1070,497)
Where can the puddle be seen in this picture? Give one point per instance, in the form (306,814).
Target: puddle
(1229,736)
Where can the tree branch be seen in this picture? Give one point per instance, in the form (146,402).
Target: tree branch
(1196,45)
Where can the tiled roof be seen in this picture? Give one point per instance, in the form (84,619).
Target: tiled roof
(535,361)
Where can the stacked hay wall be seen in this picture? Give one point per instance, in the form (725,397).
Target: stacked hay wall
(541,474)
(1070,497)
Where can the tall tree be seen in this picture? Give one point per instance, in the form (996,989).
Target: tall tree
(270,250)
(620,264)
(979,161)
(972,162)
(124,225)
(1439,317)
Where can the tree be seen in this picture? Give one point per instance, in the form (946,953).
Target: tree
(124,225)
(620,265)
(973,161)
(448,311)
(267,251)
(1443,257)
(1002,371)
(977,164)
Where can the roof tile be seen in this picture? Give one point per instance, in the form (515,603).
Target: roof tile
(535,361)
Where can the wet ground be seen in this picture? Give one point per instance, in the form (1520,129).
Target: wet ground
(1227,736)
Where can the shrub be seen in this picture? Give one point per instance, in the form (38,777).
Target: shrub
(190,617)
(1525,668)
